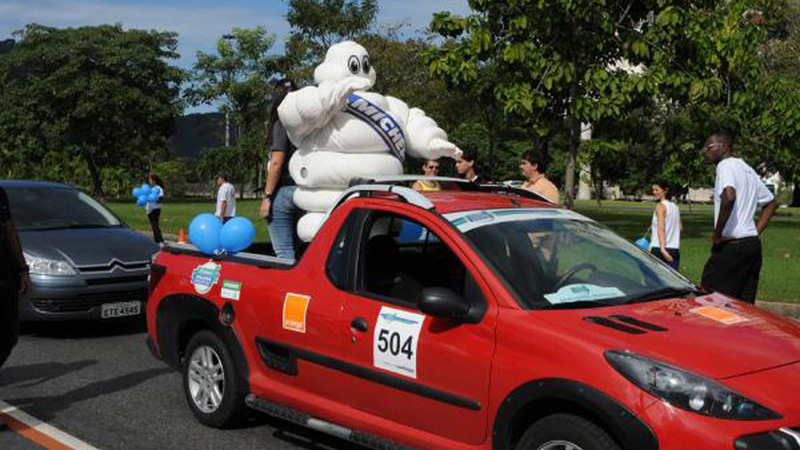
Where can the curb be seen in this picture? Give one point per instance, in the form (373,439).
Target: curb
(786,309)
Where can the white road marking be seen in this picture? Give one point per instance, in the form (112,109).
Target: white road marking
(43,428)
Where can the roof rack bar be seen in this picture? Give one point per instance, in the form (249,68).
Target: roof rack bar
(462,183)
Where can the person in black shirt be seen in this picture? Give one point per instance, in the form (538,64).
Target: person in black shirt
(467,167)
(278,205)
(13,279)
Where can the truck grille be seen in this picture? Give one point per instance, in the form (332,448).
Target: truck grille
(85,302)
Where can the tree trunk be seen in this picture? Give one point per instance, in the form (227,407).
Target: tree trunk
(796,192)
(97,182)
(574,139)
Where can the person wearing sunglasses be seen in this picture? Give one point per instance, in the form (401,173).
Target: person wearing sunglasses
(734,266)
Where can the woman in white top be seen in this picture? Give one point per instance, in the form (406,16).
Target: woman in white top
(153,209)
(665,239)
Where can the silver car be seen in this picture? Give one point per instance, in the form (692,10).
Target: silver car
(84,262)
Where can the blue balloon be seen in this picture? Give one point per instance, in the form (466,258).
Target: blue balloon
(237,234)
(153,197)
(409,232)
(204,232)
(136,192)
(144,189)
(141,201)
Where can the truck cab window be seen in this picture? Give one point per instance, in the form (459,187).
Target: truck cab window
(400,257)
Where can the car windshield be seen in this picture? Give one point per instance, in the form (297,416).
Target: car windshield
(555,258)
(42,208)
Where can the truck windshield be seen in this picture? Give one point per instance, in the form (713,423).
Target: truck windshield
(41,208)
(559,259)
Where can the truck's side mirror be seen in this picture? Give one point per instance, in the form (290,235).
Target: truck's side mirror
(443,302)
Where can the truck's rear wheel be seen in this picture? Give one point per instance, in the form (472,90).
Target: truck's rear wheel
(213,389)
(566,432)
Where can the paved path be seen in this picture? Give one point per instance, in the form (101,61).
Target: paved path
(98,383)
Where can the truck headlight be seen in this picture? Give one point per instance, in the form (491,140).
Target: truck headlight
(45,266)
(686,390)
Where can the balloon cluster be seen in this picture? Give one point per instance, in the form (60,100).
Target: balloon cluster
(213,238)
(144,194)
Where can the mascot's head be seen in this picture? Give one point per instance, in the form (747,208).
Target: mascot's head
(345,59)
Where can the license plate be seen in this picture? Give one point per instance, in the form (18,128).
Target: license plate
(122,309)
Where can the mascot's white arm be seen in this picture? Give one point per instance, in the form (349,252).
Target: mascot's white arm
(311,108)
(424,137)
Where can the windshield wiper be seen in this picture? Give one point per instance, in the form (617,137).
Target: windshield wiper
(88,225)
(660,294)
(73,227)
(580,304)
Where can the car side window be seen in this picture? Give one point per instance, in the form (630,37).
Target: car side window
(338,267)
(400,257)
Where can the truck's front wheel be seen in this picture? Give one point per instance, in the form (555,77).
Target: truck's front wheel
(213,390)
(566,432)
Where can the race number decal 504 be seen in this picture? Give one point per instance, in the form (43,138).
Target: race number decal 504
(395,341)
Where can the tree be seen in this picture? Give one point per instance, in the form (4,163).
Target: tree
(557,64)
(238,76)
(104,95)
(722,63)
(318,24)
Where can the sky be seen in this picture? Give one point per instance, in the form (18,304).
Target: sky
(199,23)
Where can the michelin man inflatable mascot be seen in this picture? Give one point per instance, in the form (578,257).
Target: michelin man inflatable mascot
(343,132)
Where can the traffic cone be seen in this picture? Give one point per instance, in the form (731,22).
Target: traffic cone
(182,236)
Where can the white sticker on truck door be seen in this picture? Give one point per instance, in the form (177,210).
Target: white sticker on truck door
(394,346)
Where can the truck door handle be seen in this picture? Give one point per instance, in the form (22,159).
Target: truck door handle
(360,324)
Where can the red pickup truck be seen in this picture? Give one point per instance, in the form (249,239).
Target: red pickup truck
(478,317)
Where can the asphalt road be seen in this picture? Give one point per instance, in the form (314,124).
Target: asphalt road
(99,383)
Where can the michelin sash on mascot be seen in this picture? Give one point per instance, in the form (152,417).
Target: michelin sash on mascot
(342,132)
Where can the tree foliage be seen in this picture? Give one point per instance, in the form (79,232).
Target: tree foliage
(238,76)
(318,24)
(553,65)
(101,95)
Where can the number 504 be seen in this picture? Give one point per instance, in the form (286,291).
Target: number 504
(390,340)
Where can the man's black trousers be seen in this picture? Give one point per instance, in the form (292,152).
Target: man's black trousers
(734,268)
(9,318)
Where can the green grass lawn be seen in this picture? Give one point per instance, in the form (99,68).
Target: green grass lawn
(780,275)
(176,215)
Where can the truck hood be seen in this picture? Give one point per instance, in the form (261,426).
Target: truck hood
(711,335)
(89,247)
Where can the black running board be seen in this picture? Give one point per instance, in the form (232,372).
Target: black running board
(306,420)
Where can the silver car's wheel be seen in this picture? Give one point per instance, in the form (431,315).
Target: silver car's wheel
(206,379)
(559,445)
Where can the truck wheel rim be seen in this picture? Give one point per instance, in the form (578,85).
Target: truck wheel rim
(206,378)
(559,445)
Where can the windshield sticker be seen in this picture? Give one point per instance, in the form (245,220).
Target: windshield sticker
(469,220)
(295,307)
(720,315)
(205,276)
(394,345)
(231,289)
(582,292)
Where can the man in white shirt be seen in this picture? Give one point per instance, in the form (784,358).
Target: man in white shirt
(226,199)
(735,263)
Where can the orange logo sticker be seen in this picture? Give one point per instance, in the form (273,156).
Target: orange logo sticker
(720,315)
(295,307)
